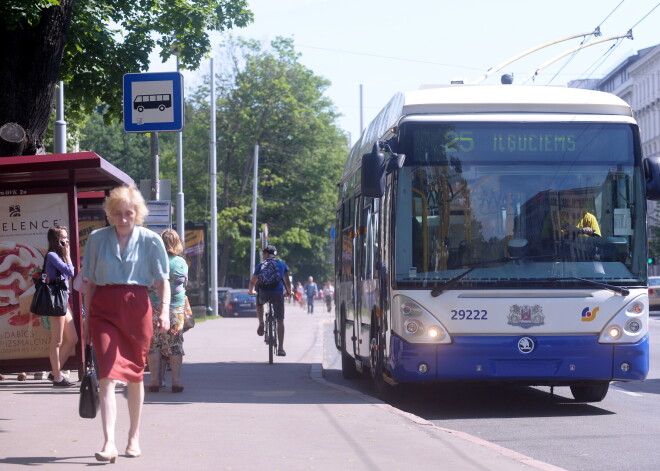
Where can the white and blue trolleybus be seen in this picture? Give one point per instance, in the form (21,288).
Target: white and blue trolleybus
(496,233)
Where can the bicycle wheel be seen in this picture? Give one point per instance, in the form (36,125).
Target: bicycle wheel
(270,339)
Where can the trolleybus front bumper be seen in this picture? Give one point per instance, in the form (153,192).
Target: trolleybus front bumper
(551,360)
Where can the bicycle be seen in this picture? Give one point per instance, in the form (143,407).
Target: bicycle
(270,334)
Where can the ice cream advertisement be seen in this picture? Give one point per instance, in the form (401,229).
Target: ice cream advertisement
(24,222)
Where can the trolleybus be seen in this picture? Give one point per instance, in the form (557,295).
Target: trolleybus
(496,233)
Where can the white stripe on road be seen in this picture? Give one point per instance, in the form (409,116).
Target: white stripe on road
(629,393)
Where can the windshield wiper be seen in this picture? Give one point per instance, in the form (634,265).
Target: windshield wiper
(613,288)
(438,290)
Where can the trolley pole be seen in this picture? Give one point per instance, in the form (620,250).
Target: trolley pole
(60,123)
(214,202)
(180,220)
(255,183)
(155,168)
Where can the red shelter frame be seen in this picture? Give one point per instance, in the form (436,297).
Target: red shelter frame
(79,175)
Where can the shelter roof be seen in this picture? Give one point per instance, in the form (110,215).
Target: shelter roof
(86,170)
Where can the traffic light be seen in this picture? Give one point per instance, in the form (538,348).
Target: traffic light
(651,260)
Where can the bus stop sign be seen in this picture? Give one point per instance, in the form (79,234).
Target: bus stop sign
(153,102)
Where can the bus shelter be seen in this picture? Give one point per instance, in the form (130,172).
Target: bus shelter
(36,193)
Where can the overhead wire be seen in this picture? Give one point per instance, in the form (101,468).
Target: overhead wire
(584,40)
(342,51)
(601,60)
(644,17)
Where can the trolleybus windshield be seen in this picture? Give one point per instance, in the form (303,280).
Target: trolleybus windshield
(520,204)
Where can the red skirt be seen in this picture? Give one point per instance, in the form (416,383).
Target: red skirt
(120,323)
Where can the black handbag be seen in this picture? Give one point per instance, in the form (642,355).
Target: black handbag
(50,299)
(88,405)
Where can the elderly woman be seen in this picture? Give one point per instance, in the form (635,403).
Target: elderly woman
(169,345)
(120,262)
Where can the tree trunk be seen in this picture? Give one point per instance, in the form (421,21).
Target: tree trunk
(31,57)
(224,261)
(12,139)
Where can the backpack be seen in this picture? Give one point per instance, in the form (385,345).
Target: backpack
(269,276)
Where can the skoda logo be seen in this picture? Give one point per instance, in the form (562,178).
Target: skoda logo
(526,345)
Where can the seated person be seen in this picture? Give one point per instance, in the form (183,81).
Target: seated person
(589,224)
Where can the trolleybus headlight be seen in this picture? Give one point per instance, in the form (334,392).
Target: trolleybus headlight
(412,327)
(625,366)
(435,333)
(633,325)
(410,309)
(423,368)
(629,325)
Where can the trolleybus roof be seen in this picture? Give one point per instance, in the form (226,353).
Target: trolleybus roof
(482,99)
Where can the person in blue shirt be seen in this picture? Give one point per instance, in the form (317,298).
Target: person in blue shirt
(311,290)
(120,262)
(274,295)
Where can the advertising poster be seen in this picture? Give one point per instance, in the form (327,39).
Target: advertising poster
(24,222)
(195,254)
(89,219)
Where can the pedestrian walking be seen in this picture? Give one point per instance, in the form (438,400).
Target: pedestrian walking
(120,262)
(310,290)
(168,346)
(328,294)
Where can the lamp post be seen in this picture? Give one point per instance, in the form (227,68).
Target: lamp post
(255,181)
(214,201)
(180,224)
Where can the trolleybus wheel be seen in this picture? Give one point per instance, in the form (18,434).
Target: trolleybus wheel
(383,389)
(591,392)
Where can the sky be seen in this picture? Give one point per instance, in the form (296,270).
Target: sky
(387,46)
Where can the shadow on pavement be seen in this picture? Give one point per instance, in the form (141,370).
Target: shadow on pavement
(46,460)
(249,382)
(478,400)
(649,386)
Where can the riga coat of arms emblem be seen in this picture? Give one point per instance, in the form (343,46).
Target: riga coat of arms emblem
(526,316)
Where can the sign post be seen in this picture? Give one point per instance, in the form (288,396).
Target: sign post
(153,102)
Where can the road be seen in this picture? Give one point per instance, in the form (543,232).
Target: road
(619,433)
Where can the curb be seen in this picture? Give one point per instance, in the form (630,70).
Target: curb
(317,373)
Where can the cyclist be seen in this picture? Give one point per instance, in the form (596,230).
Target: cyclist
(275,294)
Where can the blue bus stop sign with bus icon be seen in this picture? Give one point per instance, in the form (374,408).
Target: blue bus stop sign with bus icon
(153,102)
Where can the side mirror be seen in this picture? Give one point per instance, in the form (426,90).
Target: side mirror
(652,174)
(395,162)
(373,173)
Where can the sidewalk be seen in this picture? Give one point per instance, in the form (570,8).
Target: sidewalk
(240,413)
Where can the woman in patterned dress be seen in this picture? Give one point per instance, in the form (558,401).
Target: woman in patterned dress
(169,345)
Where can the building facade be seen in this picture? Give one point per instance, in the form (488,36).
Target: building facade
(637,81)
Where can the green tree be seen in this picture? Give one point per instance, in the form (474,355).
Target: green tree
(266,97)
(129,152)
(90,45)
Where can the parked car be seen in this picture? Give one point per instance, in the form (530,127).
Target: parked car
(222,297)
(654,293)
(240,303)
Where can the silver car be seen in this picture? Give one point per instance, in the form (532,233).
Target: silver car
(654,292)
